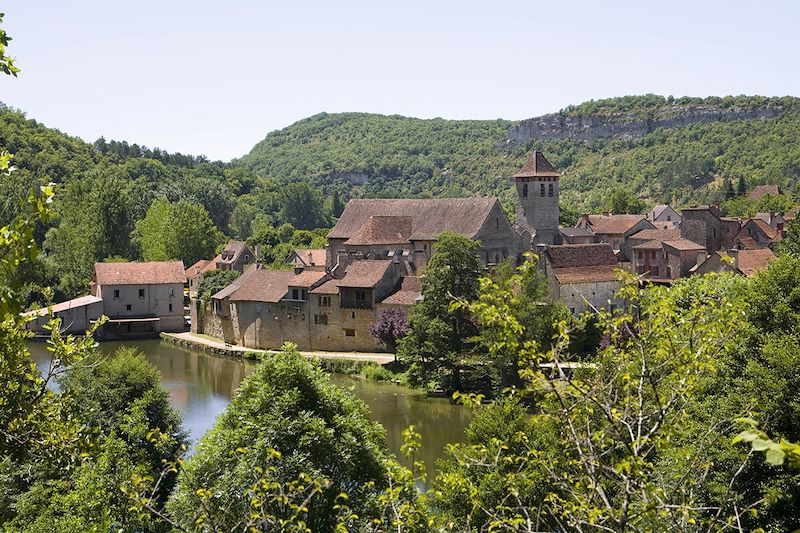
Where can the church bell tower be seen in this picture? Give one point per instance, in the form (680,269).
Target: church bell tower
(537,195)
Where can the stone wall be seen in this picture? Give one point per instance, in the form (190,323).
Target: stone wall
(598,294)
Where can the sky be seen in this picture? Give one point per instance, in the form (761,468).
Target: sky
(213,78)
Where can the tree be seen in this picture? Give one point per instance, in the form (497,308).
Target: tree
(623,201)
(728,188)
(791,243)
(390,326)
(303,206)
(6,62)
(134,432)
(214,281)
(438,336)
(287,422)
(741,186)
(614,445)
(176,231)
(337,205)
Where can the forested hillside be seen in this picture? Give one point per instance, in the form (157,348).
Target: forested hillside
(375,155)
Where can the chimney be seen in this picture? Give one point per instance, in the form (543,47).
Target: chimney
(733,253)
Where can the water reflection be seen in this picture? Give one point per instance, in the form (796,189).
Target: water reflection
(201,385)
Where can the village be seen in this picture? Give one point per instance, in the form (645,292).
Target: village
(376,256)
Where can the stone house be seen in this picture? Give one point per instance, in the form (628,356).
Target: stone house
(775,220)
(742,262)
(646,235)
(408,230)
(196,271)
(577,236)
(582,276)
(756,233)
(140,299)
(77,315)
(664,213)
(705,225)
(667,260)
(759,191)
(235,256)
(309,259)
(614,229)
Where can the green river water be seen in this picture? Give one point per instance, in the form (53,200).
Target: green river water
(201,385)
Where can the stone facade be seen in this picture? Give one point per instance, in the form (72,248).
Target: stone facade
(705,225)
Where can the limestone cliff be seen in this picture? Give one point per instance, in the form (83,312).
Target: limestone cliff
(593,127)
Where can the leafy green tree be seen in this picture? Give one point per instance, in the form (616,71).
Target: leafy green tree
(134,432)
(214,281)
(176,231)
(302,206)
(623,201)
(6,62)
(741,186)
(728,188)
(94,224)
(438,337)
(287,410)
(791,243)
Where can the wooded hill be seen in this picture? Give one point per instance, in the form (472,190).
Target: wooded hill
(376,155)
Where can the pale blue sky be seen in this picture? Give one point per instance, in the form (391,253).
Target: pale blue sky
(214,78)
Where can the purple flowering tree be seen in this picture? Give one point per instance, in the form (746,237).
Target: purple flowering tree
(391,326)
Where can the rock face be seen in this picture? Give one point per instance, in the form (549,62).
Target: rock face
(593,127)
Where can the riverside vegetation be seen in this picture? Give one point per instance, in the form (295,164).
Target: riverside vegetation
(661,431)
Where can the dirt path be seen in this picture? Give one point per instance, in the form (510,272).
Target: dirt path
(380,358)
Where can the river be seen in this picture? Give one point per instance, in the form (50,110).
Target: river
(200,386)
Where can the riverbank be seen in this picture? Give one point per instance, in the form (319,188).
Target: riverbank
(206,344)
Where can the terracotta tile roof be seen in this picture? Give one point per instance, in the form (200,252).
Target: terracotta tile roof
(576,232)
(260,285)
(537,166)
(748,243)
(307,278)
(135,273)
(232,251)
(196,269)
(763,190)
(752,261)
(64,306)
(429,217)
(768,230)
(409,293)
(329,287)
(581,255)
(382,229)
(659,234)
(684,245)
(649,245)
(365,273)
(614,224)
(586,274)
(311,257)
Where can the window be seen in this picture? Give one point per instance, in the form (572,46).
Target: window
(497,222)
(669,218)
(141,293)
(353,314)
(349,333)
(640,254)
(550,190)
(324,301)
(321,319)
(541,190)
(669,272)
(652,254)
(171,293)
(361,295)
(295,294)
(304,294)
(128,307)
(170,308)
(525,190)
(654,271)
(246,258)
(116,294)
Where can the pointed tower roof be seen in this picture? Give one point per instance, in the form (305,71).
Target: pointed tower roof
(536,166)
